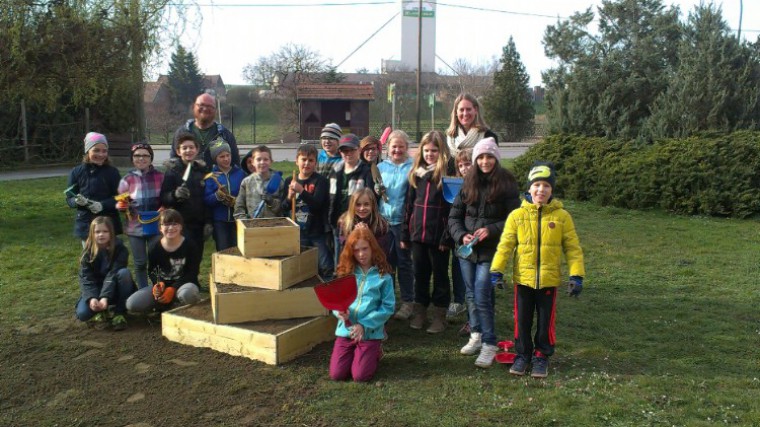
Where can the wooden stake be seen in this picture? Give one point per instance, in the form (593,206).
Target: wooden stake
(293,201)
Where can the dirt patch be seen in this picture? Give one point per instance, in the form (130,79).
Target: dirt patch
(203,311)
(267,222)
(224,288)
(62,372)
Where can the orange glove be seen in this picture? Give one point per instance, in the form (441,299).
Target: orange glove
(167,296)
(122,205)
(158,290)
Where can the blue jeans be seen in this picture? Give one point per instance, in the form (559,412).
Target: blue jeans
(139,246)
(404,271)
(124,288)
(325,255)
(480,298)
(225,234)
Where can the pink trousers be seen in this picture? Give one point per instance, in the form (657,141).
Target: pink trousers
(355,360)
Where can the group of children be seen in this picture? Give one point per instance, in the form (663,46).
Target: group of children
(367,217)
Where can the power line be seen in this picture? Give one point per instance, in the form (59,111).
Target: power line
(368,39)
(367,3)
(485,9)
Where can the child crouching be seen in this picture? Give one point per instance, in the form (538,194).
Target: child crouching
(358,343)
(536,290)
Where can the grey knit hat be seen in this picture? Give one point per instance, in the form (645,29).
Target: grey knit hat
(217,147)
(92,139)
(332,131)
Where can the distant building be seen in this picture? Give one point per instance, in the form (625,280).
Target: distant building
(157,96)
(346,104)
(538,93)
(410,10)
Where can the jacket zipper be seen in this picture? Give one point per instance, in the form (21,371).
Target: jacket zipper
(538,251)
(359,296)
(424,211)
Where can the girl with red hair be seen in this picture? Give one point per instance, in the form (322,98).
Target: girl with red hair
(360,330)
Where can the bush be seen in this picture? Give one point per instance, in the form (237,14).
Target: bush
(710,174)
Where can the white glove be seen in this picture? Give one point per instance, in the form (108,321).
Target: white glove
(95,207)
(81,200)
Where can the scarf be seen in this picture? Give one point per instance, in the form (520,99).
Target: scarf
(462,140)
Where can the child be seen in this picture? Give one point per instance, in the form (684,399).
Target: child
(329,156)
(370,150)
(362,211)
(95,183)
(489,193)
(395,172)
(463,162)
(103,275)
(311,192)
(536,278)
(254,186)
(358,347)
(345,178)
(246,163)
(427,214)
(174,261)
(220,193)
(186,196)
(143,183)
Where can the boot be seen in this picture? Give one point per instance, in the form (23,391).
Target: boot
(419,316)
(439,320)
(404,312)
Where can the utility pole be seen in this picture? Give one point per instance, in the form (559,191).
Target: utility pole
(419,67)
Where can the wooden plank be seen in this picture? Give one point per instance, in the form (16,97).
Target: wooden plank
(302,339)
(234,304)
(268,237)
(271,341)
(279,273)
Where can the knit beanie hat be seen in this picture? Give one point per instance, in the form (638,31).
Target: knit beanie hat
(332,131)
(217,147)
(542,171)
(92,139)
(142,146)
(486,146)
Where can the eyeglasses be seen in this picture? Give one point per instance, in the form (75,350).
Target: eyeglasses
(373,148)
(206,106)
(142,156)
(170,224)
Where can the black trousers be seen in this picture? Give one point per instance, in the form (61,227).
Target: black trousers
(428,260)
(543,303)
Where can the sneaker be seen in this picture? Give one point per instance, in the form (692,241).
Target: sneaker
(473,345)
(519,366)
(455,309)
(487,353)
(540,367)
(404,312)
(464,331)
(119,322)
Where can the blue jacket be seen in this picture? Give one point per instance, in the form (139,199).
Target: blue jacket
(396,181)
(99,184)
(230,180)
(373,306)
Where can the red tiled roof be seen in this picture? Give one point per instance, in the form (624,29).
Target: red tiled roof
(151,90)
(331,91)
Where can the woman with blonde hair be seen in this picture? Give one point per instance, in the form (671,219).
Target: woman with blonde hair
(467,126)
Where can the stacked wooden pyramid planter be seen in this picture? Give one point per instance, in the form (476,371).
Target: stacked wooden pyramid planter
(262,304)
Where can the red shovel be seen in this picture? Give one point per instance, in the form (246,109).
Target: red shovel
(337,294)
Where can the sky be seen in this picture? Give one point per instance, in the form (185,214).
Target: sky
(234,33)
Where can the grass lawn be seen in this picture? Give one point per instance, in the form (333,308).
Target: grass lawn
(666,332)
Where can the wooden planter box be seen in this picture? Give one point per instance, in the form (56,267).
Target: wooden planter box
(278,273)
(237,304)
(271,341)
(268,237)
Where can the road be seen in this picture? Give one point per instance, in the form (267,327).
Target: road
(280,152)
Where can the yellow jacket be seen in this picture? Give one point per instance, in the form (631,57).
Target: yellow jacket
(531,267)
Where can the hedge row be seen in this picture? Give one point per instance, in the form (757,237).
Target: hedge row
(702,175)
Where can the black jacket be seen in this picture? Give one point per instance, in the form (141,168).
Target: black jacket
(343,185)
(426,214)
(464,219)
(99,184)
(193,210)
(97,277)
(312,204)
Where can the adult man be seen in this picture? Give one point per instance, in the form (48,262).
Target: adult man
(207,130)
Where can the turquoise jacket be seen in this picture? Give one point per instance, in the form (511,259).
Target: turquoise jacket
(396,181)
(373,306)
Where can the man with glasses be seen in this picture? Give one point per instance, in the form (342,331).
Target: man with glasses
(206,130)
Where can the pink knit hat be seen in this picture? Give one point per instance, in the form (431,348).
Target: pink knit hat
(486,146)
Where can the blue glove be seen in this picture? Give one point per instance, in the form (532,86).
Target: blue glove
(497,280)
(575,286)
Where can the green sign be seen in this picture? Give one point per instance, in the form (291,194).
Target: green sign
(412,9)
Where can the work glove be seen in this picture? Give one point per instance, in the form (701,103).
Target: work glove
(497,280)
(208,230)
(95,207)
(122,205)
(163,294)
(575,286)
(80,200)
(182,193)
(268,199)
